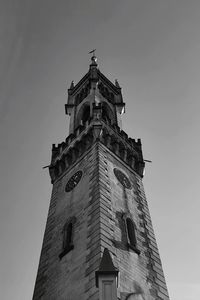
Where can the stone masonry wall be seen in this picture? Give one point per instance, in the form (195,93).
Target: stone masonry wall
(99,202)
(66,278)
(99,222)
(141,274)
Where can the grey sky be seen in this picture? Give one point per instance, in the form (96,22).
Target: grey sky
(152,47)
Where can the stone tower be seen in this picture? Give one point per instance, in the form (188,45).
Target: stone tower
(99,243)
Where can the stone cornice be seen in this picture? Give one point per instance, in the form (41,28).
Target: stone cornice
(116,140)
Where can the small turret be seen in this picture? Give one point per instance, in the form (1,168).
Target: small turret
(117,84)
(106,278)
(72,85)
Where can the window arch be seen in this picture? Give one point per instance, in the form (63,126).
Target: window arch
(68,234)
(83,114)
(86,113)
(107,113)
(131,234)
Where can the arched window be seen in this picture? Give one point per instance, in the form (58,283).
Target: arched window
(131,232)
(131,235)
(86,114)
(107,113)
(68,233)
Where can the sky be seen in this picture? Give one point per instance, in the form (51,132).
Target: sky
(152,47)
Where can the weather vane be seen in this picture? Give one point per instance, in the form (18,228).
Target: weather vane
(92,52)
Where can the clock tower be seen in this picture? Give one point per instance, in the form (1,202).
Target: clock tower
(99,243)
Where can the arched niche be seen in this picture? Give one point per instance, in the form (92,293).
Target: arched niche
(107,113)
(83,115)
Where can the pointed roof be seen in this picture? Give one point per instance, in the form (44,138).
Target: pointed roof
(106,266)
(94,74)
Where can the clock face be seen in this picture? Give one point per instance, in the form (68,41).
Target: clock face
(123,179)
(73,181)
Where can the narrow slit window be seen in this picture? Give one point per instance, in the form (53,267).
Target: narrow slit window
(131,235)
(68,237)
(131,232)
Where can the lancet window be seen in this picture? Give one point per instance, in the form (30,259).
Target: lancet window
(131,234)
(68,235)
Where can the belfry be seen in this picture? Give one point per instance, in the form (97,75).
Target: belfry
(99,243)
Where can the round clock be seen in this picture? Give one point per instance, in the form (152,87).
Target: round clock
(123,179)
(73,181)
